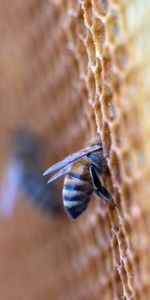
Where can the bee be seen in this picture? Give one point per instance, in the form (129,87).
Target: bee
(36,191)
(23,173)
(83,170)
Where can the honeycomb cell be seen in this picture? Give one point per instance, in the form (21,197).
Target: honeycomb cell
(116,254)
(118,133)
(101,238)
(80,25)
(116,82)
(140,157)
(98,76)
(88,13)
(107,101)
(91,48)
(120,54)
(98,31)
(127,195)
(107,290)
(127,224)
(123,245)
(115,168)
(114,218)
(125,279)
(109,261)
(106,138)
(118,287)
(92,265)
(118,201)
(72,5)
(91,115)
(84,91)
(130,272)
(107,64)
(103,258)
(138,293)
(91,86)
(100,7)
(83,65)
(127,163)
(113,28)
(97,107)
(71,32)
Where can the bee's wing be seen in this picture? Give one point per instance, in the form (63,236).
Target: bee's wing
(71,158)
(9,187)
(58,174)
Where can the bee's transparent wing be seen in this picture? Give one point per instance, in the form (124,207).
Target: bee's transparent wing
(71,158)
(58,174)
(9,187)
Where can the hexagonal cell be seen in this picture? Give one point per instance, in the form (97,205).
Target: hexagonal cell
(107,64)
(98,76)
(90,48)
(116,254)
(118,285)
(123,242)
(127,224)
(120,53)
(100,7)
(83,58)
(115,168)
(91,86)
(81,28)
(101,232)
(107,102)
(84,91)
(124,278)
(116,82)
(98,30)
(130,272)
(113,28)
(114,218)
(109,260)
(102,268)
(105,289)
(126,159)
(90,115)
(142,293)
(127,195)
(71,32)
(106,138)
(118,133)
(97,107)
(88,13)
(140,156)
(72,5)
(130,119)
(92,266)
(118,201)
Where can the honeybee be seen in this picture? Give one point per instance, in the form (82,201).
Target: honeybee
(23,174)
(83,169)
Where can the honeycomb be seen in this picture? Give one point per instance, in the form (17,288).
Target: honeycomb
(70,69)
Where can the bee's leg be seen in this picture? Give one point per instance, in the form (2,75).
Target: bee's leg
(100,190)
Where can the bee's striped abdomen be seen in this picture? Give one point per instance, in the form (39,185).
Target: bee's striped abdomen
(77,190)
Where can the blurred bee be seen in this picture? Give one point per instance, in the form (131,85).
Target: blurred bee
(24,173)
(82,169)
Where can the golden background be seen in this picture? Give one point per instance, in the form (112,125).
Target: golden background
(69,69)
